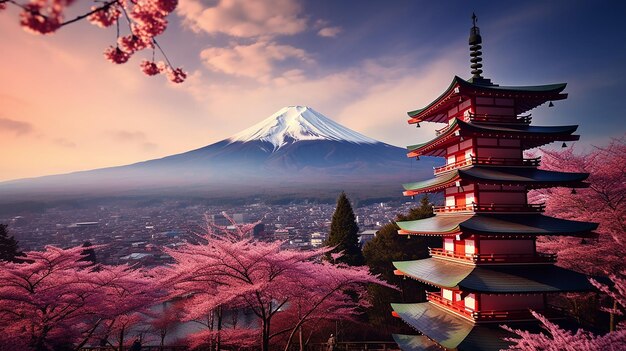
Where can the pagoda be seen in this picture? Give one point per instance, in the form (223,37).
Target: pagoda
(488,271)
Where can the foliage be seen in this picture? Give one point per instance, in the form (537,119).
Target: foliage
(9,250)
(343,236)
(386,247)
(54,299)
(285,289)
(602,202)
(146,19)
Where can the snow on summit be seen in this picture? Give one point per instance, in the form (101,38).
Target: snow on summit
(295,123)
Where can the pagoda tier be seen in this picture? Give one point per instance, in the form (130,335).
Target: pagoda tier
(510,100)
(494,279)
(485,176)
(451,332)
(465,225)
(485,137)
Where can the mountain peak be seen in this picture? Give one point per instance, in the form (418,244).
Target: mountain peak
(296,123)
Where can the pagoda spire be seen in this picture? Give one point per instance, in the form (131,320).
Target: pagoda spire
(475,41)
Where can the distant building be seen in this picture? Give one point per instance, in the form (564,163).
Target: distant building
(366,236)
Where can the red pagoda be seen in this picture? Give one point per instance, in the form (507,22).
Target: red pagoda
(488,271)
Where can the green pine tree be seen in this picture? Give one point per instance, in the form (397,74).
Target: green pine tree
(344,233)
(380,252)
(9,250)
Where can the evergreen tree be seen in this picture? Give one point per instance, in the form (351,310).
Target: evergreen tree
(9,250)
(344,233)
(380,252)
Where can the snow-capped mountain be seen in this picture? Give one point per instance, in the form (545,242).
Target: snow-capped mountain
(295,150)
(298,123)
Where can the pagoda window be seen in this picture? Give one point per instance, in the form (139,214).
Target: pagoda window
(507,247)
(484,101)
(510,302)
(469,198)
(448,245)
(470,247)
(509,142)
(447,294)
(450,201)
(470,301)
(451,159)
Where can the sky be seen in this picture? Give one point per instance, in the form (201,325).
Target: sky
(363,63)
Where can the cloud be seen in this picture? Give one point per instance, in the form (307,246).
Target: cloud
(329,32)
(257,60)
(244,18)
(16,127)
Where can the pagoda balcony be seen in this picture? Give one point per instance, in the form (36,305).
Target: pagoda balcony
(491,208)
(499,119)
(490,315)
(489,161)
(453,208)
(495,258)
(508,208)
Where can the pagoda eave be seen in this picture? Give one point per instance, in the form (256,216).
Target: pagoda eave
(494,279)
(527,98)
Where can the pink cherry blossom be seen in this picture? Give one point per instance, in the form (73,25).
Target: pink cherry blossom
(104,18)
(115,55)
(166,6)
(151,68)
(176,75)
(33,19)
(131,43)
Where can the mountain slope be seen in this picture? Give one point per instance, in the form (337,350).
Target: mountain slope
(296,149)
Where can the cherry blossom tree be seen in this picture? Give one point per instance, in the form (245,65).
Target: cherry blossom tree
(144,19)
(229,269)
(55,298)
(603,202)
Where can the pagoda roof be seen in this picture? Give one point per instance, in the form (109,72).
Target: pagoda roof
(448,330)
(527,97)
(531,177)
(415,343)
(495,279)
(531,136)
(494,224)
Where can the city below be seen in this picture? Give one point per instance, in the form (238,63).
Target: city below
(135,233)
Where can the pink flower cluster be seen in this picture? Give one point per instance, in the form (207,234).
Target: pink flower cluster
(146,20)
(115,55)
(43,16)
(105,17)
(176,75)
(151,68)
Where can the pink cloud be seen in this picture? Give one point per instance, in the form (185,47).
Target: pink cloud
(257,60)
(15,127)
(244,18)
(329,32)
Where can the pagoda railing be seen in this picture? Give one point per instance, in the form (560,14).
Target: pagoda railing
(491,208)
(499,119)
(479,258)
(503,161)
(489,315)
(489,161)
(452,209)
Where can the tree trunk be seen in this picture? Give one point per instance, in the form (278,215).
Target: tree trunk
(121,341)
(265,337)
(219,328)
(612,317)
(300,338)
